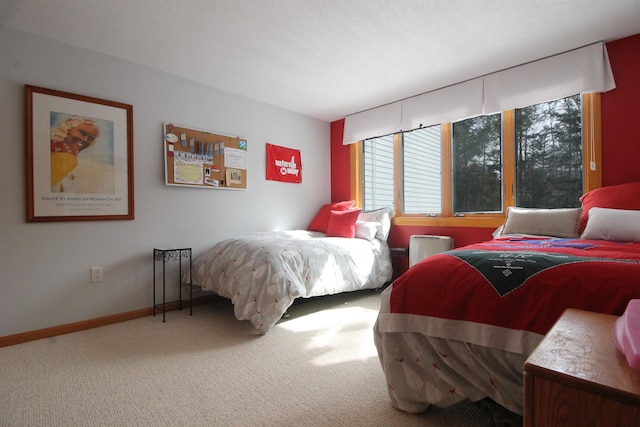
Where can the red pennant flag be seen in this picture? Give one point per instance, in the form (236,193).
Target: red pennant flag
(283,164)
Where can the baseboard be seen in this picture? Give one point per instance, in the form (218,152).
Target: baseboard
(93,323)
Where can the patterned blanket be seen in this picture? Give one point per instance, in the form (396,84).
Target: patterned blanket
(521,283)
(263,273)
(507,270)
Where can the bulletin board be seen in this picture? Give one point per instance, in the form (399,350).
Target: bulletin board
(199,158)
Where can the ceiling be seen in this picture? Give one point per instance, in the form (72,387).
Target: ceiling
(326,58)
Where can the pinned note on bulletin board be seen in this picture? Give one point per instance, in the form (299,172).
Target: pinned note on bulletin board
(199,158)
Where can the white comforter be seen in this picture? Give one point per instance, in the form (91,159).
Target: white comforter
(264,272)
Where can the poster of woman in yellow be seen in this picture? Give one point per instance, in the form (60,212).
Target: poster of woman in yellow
(82,159)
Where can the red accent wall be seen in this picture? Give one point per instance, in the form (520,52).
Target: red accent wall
(340,164)
(621,114)
(620,144)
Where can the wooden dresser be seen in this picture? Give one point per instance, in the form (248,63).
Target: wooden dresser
(577,377)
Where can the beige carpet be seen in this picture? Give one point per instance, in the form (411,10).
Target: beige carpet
(318,367)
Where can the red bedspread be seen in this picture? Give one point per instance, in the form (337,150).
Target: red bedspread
(521,283)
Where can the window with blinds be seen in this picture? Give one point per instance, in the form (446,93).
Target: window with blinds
(377,180)
(422,169)
(470,171)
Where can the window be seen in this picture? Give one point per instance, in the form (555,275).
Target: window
(421,172)
(477,164)
(549,154)
(378,172)
(468,172)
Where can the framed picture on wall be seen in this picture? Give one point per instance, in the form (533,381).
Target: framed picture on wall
(79,157)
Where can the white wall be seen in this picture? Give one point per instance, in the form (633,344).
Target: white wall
(44,267)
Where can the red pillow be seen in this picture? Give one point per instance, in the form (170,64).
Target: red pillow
(343,223)
(622,196)
(321,221)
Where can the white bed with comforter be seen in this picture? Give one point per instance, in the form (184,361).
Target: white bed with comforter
(263,273)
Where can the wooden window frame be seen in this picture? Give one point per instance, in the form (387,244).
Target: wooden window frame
(592,177)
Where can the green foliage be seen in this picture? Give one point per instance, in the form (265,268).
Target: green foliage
(548,158)
(549,154)
(477,164)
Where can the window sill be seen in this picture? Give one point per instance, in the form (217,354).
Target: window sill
(478,221)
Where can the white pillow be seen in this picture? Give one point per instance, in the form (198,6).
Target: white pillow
(542,222)
(381,216)
(619,225)
(367,230)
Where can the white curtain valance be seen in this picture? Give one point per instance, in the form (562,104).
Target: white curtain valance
(371,123)
(581,70)
(455,102)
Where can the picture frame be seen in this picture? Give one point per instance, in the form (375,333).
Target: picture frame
(79,157)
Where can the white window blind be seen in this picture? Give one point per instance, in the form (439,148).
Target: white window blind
(581,70)
(422,176)
(378,173)
(451,103)
(372,123)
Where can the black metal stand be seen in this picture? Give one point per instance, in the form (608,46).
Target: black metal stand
(165,255)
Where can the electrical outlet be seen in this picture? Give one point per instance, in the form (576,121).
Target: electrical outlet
(96,274)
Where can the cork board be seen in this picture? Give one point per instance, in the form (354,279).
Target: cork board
(199,158)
